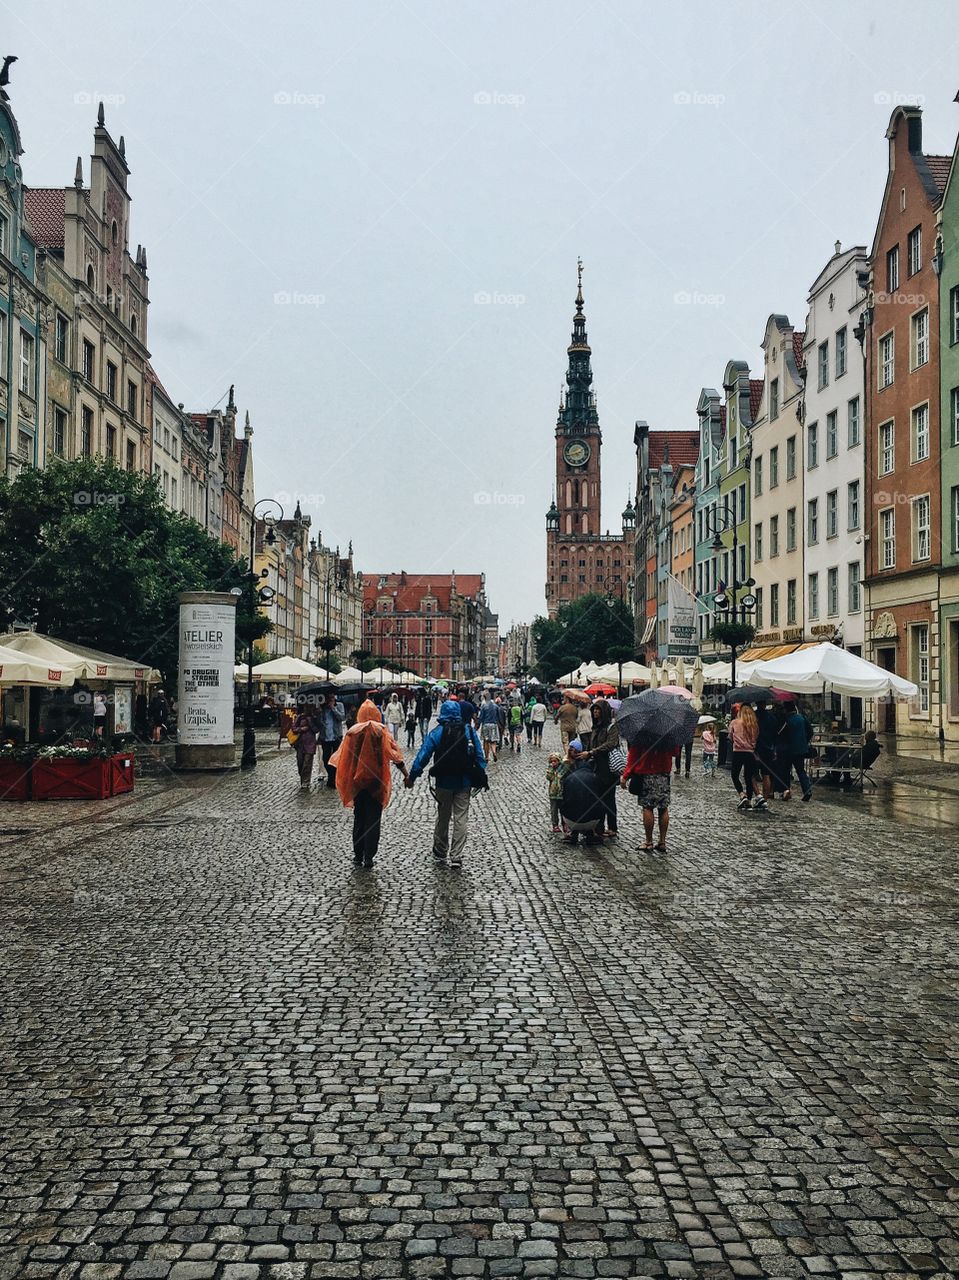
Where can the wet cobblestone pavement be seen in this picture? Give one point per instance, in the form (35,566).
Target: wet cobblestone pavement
(227,1054)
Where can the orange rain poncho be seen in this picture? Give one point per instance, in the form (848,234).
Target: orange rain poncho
(362,760)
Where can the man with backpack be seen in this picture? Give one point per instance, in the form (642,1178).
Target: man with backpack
(459,765)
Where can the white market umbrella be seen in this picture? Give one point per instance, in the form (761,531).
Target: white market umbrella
(380,676)
(90,664)
(21,668)
(826,666)
(680,672)
(289,670)
(654,678)
(699,679)
(349,675)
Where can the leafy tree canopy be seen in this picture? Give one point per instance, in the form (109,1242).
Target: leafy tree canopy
(90,553)
(587,629)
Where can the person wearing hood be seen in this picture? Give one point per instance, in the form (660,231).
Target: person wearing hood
(450,745)
(363,778)
(395,716)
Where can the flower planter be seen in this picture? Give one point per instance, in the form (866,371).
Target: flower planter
(65,779)
(14,780)
(121,774)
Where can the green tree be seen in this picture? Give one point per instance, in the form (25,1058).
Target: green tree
(584,630)
(89,552)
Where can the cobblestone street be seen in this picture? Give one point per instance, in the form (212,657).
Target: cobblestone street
(228,1054)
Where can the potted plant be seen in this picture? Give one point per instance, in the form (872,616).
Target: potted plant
(71,771)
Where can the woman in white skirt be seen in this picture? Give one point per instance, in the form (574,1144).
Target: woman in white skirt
(489,726)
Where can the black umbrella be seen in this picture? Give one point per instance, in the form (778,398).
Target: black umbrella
(657,719)
(748,693)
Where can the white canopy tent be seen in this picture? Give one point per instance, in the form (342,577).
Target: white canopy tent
(825,668)
(285,670)
(87,664)
(21,668)
(633,673)
(379,677)
(581,676)
(349,675)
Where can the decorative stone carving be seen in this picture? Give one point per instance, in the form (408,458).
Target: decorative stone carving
(884,627)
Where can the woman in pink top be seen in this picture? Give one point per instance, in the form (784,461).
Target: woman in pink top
(743,735)
(709,751)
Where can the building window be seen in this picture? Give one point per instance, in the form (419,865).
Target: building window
(832,513)
(812,445)
(791,529)
(887,538)
(111,441)
(920,339)
(774,467)
(832,592)
(919,636)
(840,351)
(86,432)
(892,269)
(854,587)
(773,536)
(791,458)
(813,594)
(853,515)
(758,615)
(791,602)
(887,360)
(823,365)
(774,605)
(914,250)
(774,399)
(920,433)
(27,359)
(832,434)
(757,477)
(89,355)
(887,448)
(131,456)
(4,235)
(59,431)
(733,453)
(132,399)
(921,543)
(61,336)
(852,422)
(812,521)
(112,381)
(758,542)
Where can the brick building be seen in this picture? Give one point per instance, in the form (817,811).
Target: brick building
(433,624)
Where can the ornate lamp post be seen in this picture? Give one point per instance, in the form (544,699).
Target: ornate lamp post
(256,596)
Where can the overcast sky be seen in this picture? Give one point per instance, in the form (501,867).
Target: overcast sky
(367,216)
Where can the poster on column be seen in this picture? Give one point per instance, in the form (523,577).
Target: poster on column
(205,689)
(680,620)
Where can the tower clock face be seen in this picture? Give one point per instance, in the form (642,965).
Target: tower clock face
(577,453)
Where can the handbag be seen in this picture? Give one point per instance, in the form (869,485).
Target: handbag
(479,780)
(617,760)
(292,738)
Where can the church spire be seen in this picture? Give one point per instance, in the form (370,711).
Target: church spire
(577,414)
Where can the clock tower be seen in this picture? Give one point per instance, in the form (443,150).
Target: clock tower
(580,558)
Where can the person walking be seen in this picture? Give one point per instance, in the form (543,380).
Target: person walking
(304,726)
(456,751)
(502,712)
(424,711)
(743,736)
(361,766)
(766,759)
(159,714)
(395,716)
(584,724)
(794,739)
(411,724)
(528,718)
(647,775)
(538,718)
(99,714)
(709,752)
(468,709)
(489,730)
(567,716)
(603,739)
(331,720)
(516,727)
(687,750)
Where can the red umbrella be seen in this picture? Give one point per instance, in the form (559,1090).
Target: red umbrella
(601,688)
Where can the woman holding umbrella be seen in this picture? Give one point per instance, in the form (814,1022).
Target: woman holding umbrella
(604,738)
(654,723)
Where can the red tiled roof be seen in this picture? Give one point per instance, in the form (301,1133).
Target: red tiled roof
(44,209)
(409,589)
(799,337)
(755,397)
(939,168)
(683,448)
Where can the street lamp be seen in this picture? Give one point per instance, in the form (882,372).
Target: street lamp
(333,575)
(717,523)
(256,596)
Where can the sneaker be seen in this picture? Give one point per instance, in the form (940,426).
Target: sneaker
(368,863)
(357,859)
(744,803)
(760,803)
(456,859)
(440,857)
(807,795)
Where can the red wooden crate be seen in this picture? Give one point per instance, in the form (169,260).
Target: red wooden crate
(14,780)
(71,779)
(121,774)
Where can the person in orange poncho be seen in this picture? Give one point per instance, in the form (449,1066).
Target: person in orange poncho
(363,778)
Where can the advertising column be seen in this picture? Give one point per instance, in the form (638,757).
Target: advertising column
(205,687)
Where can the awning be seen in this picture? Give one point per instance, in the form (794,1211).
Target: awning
(766,653)
(88,664)
(650,628)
